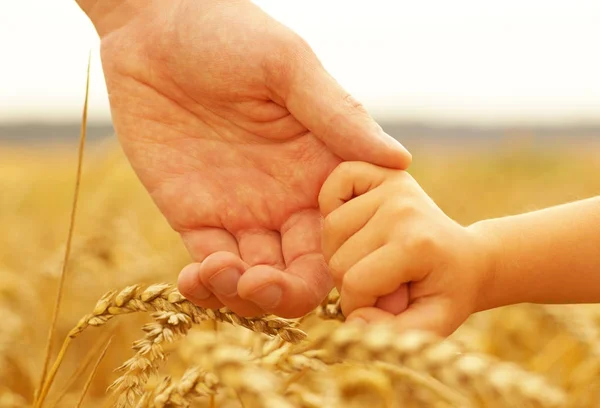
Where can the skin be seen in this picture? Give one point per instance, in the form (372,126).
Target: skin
(382,233)
(232,125)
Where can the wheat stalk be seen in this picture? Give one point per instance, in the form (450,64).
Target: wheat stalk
(44,383)
(88,383)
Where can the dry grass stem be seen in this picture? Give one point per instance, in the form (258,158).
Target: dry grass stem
(93,351)
(63,274)
(88,383)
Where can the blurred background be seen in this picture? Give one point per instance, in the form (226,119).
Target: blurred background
(467,71)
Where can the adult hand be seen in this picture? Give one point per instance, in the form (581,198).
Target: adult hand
(232,125)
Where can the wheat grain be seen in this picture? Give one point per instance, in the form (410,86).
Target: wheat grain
(330,308)
(254,385)
(163,297)
(195,383)
(149,353)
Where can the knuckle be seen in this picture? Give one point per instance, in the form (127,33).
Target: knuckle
(401,180)
(329,226)
(345,168)
(296,44)
(352,105)
(324,196)
(329,238)
(348,170)
(421,243)
(353,284)
(284,58)
(336,268)
(339,176)
(400,208)
(348,111)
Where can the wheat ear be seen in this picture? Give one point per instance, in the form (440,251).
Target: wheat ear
(330,308)
(478,374)
(164,297)
(195,383)
(149,353)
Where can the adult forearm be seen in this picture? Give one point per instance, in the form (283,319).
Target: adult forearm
(546,256)
(110,15)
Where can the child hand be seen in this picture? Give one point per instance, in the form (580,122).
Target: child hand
(381,230)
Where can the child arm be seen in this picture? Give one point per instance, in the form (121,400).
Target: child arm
(546,256)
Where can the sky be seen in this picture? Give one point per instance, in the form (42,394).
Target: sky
(468,61)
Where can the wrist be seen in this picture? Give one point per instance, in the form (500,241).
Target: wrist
(489,248)
(110,15)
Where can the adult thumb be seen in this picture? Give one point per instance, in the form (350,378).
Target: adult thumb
(330,113)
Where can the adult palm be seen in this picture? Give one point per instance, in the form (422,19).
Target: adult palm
(232,125)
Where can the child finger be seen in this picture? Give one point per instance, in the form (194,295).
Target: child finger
(348,180)
(348,220)
(395,302)
(378,274)
(360,245)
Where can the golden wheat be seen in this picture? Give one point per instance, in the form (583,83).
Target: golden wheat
(164,297)
(518,356)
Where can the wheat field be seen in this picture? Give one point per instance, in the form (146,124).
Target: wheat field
(130,330)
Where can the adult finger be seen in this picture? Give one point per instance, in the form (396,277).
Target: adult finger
(190,285)
(261,247)
(221,273)
(291,293)
(321,104)
(200,244)
(305,281)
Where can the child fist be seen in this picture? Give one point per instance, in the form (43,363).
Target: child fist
(382,231)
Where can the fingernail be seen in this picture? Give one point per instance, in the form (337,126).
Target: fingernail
(391,141)
(267,297)
(189,281)
(225,281)
(200,293)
